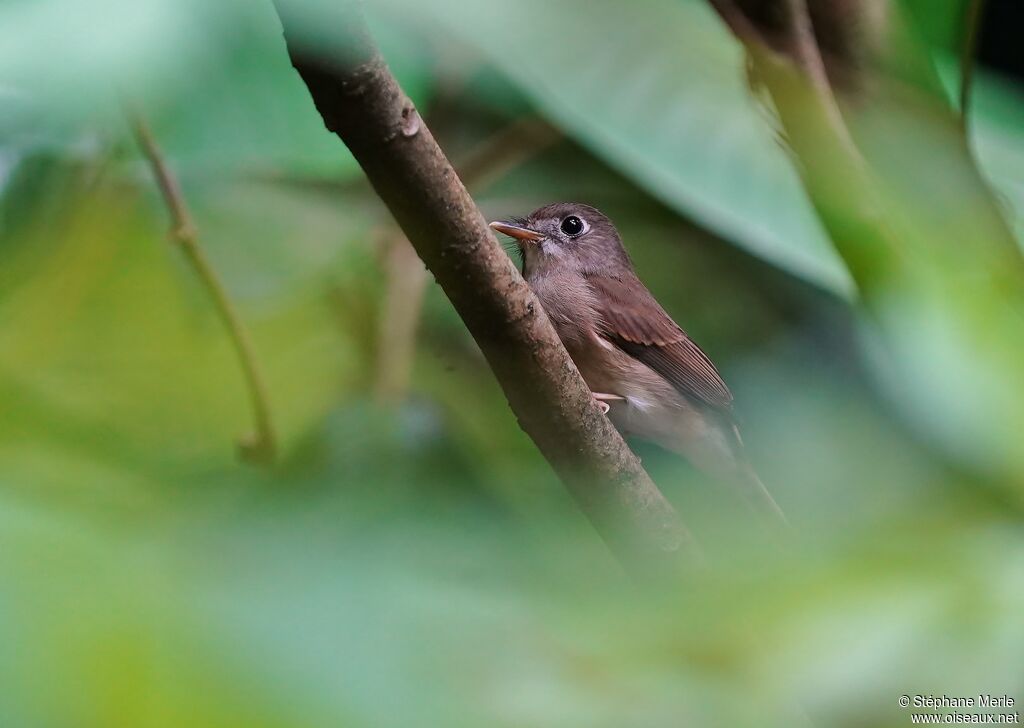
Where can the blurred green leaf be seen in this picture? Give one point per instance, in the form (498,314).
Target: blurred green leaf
(661,95)
(215,79)
(940,24)
(301,612)
(420,565)
(116,358)
(997,117)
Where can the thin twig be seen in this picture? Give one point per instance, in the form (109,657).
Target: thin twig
(403,302)
(972,26)
(261,445)
(828,158)
(795,43)
(502,152)
(803,44)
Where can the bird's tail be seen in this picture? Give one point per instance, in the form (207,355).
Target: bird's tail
(744,478)
(757,496)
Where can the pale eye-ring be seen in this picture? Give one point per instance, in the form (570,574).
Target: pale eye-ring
(573,226)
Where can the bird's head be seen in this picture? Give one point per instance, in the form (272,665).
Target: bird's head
(565,235)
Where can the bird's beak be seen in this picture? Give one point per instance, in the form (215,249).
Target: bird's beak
(515,231)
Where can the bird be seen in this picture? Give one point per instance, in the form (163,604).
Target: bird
(651,379)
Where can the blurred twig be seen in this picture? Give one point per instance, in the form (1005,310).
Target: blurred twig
(403,302)
(738,22)
(360,100)
(491,160)
(875,231)
(905,249)
(833,169)
(505,150)
(972,26)
(261,445)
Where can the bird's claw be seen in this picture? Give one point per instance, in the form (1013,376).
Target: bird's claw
(602,400)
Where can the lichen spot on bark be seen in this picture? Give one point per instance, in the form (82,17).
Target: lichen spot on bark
(410,121)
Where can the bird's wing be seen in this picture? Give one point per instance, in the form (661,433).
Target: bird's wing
(633,320)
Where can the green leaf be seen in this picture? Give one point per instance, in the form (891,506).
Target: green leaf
(940,24)
(117,370)
(214,78)
(997,118)
(661,95)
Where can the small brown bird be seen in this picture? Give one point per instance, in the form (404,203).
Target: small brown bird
(649,377)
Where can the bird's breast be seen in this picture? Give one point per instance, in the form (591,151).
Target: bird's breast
(570,305)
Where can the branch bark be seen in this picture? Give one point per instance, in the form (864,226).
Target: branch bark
(362,103)
(406,276)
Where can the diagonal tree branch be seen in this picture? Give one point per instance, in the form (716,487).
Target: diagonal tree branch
(261,445)
(362,103)
(407,278)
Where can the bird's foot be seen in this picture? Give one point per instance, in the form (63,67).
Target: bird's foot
(603,400)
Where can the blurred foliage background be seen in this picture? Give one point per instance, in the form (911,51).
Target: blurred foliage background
(409,559)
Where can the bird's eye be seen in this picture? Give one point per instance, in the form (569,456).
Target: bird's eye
(572,225)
